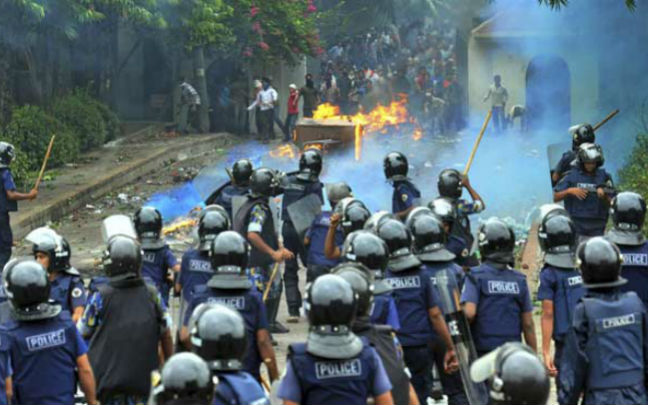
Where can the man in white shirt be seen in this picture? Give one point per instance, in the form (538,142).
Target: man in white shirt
(189,105)
(499,97)
(266,100)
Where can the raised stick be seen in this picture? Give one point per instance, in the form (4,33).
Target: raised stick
(606,119)
(272,277)
(479,138)
(47,155)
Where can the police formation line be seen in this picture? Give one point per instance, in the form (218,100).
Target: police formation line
(393,299)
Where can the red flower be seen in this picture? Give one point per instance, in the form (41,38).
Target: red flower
(247,52)
(256,26)
(311,8)
(263,45)
(254,10)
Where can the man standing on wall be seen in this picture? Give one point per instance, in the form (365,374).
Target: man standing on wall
(499,97)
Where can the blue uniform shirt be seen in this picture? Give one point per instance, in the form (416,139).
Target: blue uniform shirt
(635,270)
(238,387)
(248,303)
(8,185)
(384,311)
(589,215)
(564,287)
(564,164)
(501,297)
(225,197)
(44,357)
(5,366)
(155,267)
(68,291)
(317,236)
(405,195)
(195,270)
(433,268)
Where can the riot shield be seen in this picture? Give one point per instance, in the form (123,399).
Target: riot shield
(303,212)
(117,225)
(213,196)
(448,289)
(554,154)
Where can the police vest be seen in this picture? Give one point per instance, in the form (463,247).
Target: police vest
(499,309)
(154,268)
(569,289)
(635,270)
(591,206)
(61,291)
(248,303)
(295,190)
(268,233)
(241,389)
(461,229)
(410,289)
(382,341)
(326,381)
(196,270)
(124,348)
(401,188)
(432,269)
(457,245)
(225,197)
(616,341)
(6,205)
(43,355)
(318,233)
(380,309)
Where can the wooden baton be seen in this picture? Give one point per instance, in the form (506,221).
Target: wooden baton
(479,138)
(606,119)
(272,277)
(47,155)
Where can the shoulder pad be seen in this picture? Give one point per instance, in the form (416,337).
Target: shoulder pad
(10,325)
(200,289)
(296,348)
(383,329)
(72,271)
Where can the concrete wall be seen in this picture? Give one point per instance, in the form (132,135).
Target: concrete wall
(510,58)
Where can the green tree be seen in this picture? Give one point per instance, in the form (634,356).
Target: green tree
(631,4)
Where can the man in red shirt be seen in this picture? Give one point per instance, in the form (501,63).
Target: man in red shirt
(293,112)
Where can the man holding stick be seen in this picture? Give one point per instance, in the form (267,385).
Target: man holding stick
(8,200)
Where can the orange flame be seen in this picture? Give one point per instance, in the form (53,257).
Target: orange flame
(285,150)
(418,134)
(358,141)
(326,111)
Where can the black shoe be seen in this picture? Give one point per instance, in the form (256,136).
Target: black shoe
(278,328)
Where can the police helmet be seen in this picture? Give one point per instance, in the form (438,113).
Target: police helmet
(496,241)
(557,236)
(396,166)
(67,256)
(47,241)
(123,257)
(399,242)
(368,249)
(241,171)
(265,182)
(310,165)
(376,219)
(582,133)
(590,153)
(28,289)
(516,375)
(148,225)
(359,277)
(331,307)
(415,213)
(336,192)
(210,224)
(185,379)
(445,210)
(600,263)
(229,258)
(430,239)
(218,335)
(628,210)
(7,154)
(450,184)
(354,218)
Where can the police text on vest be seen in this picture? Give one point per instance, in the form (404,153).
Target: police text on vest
(46,340)
(349,368)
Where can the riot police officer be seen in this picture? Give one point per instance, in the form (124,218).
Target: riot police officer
(240,180)
(420,318)
(514,374)
(126,304)
(380,336)
(366,248)
(582,133)
(316,235)
(334,366)
(450,185)
(297,187)
(604,357)
(587,190)
(218,335)
(158,260)
(561,285)
(495,297)
(230,286)
(8,200)
(255,221)
(429,247)
(406,196)
(628,212)
(376,219)
(185,379)
(46,350)
(66,287)
(457,245)
(350,215)
(196,267)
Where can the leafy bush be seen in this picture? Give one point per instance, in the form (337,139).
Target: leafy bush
(78,112)
(30,130)
(634,175)
(110,120)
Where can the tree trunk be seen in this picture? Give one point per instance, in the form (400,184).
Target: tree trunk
(201,87)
